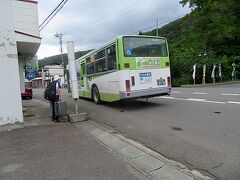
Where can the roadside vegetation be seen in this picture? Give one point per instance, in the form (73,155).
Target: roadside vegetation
(209,35)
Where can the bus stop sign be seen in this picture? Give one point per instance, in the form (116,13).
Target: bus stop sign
(30,73)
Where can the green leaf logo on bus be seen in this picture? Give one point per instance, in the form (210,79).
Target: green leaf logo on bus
(147,62)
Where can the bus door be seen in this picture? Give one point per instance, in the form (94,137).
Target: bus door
(82,73)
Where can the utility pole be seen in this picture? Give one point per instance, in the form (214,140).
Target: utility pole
(60,35)
(157,28)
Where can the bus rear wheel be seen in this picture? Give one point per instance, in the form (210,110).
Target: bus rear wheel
(96,95)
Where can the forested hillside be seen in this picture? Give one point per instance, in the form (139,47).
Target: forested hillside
(57,59)
(209,35)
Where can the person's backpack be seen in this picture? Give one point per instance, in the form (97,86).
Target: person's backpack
(50,91)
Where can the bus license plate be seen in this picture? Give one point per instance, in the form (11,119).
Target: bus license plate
(145,78)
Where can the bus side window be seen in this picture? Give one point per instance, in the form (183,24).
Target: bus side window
(100,54)
(90,68)
(88,60)
(100,65)
(111,58)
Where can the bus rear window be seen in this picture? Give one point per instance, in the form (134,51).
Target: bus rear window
(144,47)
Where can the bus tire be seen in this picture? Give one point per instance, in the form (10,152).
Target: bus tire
(95,95)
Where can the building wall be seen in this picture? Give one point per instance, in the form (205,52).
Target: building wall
(54,70)
(25,16)
(21,72)
(10,96)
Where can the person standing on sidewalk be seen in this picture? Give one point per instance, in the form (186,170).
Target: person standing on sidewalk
(56,84)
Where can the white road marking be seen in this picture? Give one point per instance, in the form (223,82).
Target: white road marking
(175,92)
(216,102)
(197,100)
(193,99)
(199,93)
(166,97)
(227,94)
(233,102)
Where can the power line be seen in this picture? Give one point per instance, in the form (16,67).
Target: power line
(52,14)
(167,21)
(136,6)
(178,18)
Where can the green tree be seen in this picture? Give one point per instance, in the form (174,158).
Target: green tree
(215,21)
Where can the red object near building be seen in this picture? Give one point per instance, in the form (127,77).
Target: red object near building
(27,93)
(28,90)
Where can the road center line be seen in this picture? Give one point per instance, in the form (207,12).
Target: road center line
(193,99)
(197,100)
(227,94)
(166,97)
(216,102)
(199,93)
(233,102)
(175,92)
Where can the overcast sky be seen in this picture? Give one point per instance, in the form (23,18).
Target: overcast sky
(91,23)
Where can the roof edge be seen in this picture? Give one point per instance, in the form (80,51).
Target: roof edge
(19,32)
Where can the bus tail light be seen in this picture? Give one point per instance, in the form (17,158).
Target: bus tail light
(126,65)
(169,81)
(127,83)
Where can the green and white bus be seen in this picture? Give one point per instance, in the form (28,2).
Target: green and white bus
(132,66)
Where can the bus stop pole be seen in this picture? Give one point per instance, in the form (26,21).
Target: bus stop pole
(73,73)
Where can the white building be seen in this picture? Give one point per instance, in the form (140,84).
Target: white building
(19,41)
(47,74)
(52,70)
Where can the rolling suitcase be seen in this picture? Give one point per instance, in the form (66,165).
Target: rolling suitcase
(60,108)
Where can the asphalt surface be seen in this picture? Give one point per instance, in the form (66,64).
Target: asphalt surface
(196,126)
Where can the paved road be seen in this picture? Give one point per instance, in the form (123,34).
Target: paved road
(196,126)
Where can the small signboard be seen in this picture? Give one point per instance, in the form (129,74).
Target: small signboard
(147,62)
(30,73)
(145,78)
(128,51)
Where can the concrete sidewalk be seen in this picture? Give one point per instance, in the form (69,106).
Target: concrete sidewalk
(46,150)
(42,149)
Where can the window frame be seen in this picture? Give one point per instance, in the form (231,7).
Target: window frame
(115,48)
(105,57)
(160,38)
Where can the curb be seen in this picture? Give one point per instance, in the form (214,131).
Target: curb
(78,117)
(209,85)
(142,158)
